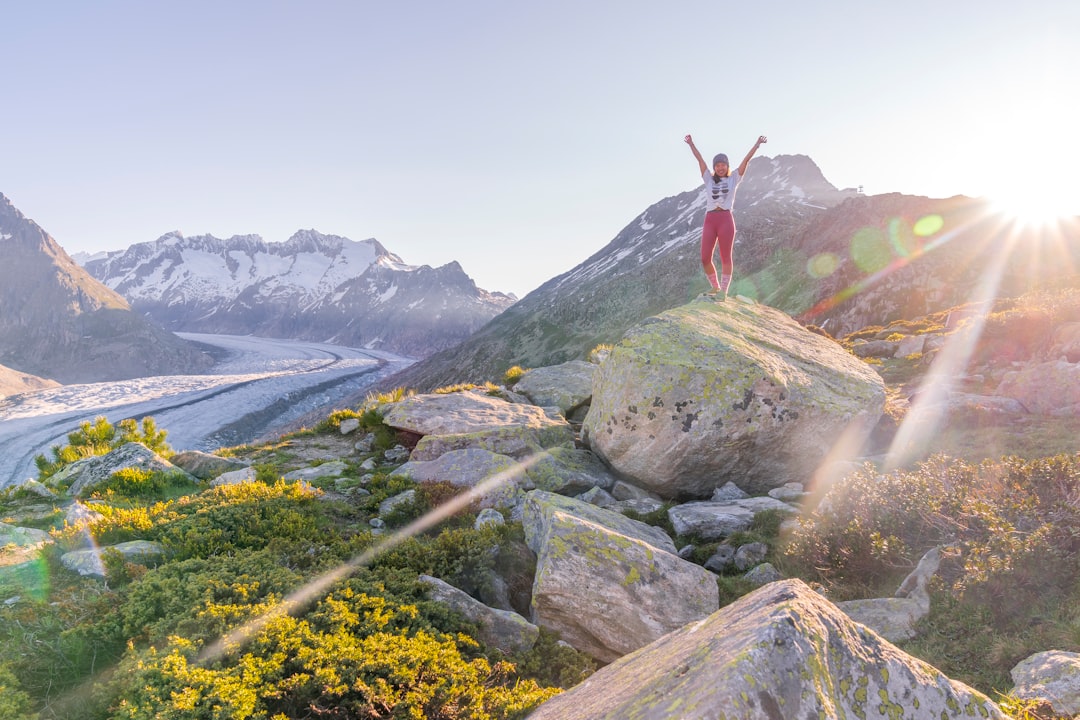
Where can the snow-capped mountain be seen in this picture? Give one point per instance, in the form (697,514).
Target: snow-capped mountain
(311,287)
(58,322)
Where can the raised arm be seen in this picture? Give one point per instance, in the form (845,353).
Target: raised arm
(703,168)
(746,160)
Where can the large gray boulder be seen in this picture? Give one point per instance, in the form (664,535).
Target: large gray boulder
(540,507)
(81,476)
(711,392)
(89,561)
(204,465)
(714,520)
(782,651)
(500,629)
(1053,676)
(897,618)
(569,471)
(516,441)
(567,386)
(20,544)
(498,477)
(606,593)
(463,412)
(1049,388)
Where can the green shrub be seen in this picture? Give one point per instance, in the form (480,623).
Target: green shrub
(511,376)
(101,438)
(139,484)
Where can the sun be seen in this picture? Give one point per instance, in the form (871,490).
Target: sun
(1037,206)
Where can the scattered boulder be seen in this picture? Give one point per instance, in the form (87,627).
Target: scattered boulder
(762,574)
(1049,388)
(541,506)
(567,386)
(604,592)
(500,629)
(782,651)
(1052,676)
(727,492)
(20,544)
(910,345)
(750,555)
(33,486)
(472,468)
(463,412)
(709,520)
(488,517)
(597,496)
(348,425)
(790,492)
(874,349)
(331,469)
(517,442)
(402,498)
(236,477)
(83,475)
(706,393)
(88,561)
(569,471)
(204,465)
(1065,342)
(720,560)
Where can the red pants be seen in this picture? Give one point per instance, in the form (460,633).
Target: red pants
(719,230)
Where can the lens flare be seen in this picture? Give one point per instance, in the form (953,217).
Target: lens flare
(822,265)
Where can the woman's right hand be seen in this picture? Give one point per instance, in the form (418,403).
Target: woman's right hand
(688,140)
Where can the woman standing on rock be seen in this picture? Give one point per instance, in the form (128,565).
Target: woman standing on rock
(719,228)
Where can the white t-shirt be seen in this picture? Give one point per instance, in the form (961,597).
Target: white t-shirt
(720,194)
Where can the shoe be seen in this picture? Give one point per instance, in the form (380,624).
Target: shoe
(717,295)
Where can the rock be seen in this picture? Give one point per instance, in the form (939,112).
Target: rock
(518,442)
(728,491)
(365,444)
(488,517)
(790,492)
(500,629)
(89,562)
(623,490)
(597,496)
(721,560)
(874,349)
(782,651)
(79,515)
(763,574)
(569,471)
(1052,676)
(706,393)
(33,486)
(19,544)
(397,454)
(394,501)
(643,506)
(567,386)
(236,477)
(349,425)
(608,593)
(910,345)
(462,412)
(369,465)
(331,469)
(83,475)
(896,618)
(1049,388)
(709,520)
(541,506)
(1065,342)
(472,468)
(751,554)
(204,465)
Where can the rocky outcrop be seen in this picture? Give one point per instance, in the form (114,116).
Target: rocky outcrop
(460,413)
(716,392)
(81,476)
(567,386)
(605,592)
(782,651)
(500,629)
(496,478)
(90,562)
(58,322)
(1049,388)
(1052,676)
(205,466)
(19,545)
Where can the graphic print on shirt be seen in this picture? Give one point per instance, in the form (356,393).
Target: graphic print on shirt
(720,188)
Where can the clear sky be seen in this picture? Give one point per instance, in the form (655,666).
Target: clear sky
(516,138)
